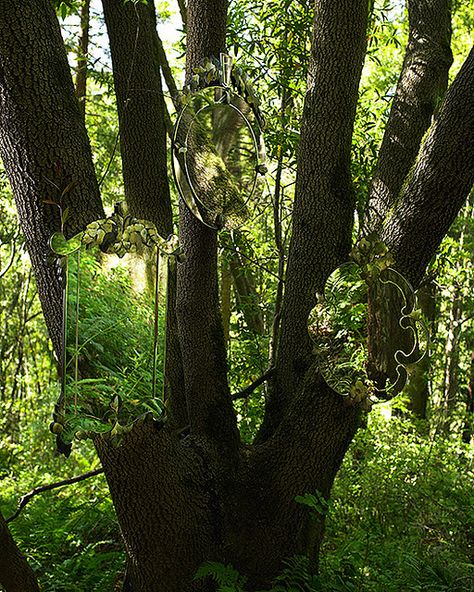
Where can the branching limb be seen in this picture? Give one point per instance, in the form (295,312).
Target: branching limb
(439,183)
(324,197)
(248,390)
(420,89)
(42,488)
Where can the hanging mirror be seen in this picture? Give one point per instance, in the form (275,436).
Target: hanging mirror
(367,330)
(114,306)
(218,152)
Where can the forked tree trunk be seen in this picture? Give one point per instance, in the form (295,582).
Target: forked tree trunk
(420,90)
(184,496)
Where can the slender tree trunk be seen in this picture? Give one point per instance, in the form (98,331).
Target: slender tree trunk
(324,199)
(468,424)
(226,285)
(15,573)
(135,47)
(140,103)
(451,369)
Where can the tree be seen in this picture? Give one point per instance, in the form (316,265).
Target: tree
(186,489)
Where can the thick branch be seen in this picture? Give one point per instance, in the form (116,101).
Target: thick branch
(439,183)
(420,88)
(43,141)
(324,199)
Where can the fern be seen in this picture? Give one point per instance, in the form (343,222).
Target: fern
(227,578)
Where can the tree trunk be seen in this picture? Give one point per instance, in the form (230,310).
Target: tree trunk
(451,369)
(134,47)
(439,182)
(324,198)
(131,28)
(15,573)
(43,141)
(420,89)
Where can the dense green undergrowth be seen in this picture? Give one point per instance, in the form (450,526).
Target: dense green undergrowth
(400,519)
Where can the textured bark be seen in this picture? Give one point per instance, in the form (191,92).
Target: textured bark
(140,104)
(43,142)
(324,199)
(179,503)
(15,573)
(439,183)
(421,87)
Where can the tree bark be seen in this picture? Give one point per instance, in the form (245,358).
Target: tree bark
(324,198)
(140,104)
(15,573)
(421,87)
(438,184)
(43,141)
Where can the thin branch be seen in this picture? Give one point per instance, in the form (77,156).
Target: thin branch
(42,488)
(244,393)
(10,262)
(166,70)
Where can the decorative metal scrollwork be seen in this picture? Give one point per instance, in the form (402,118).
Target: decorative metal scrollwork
(367,330)
(101,390)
